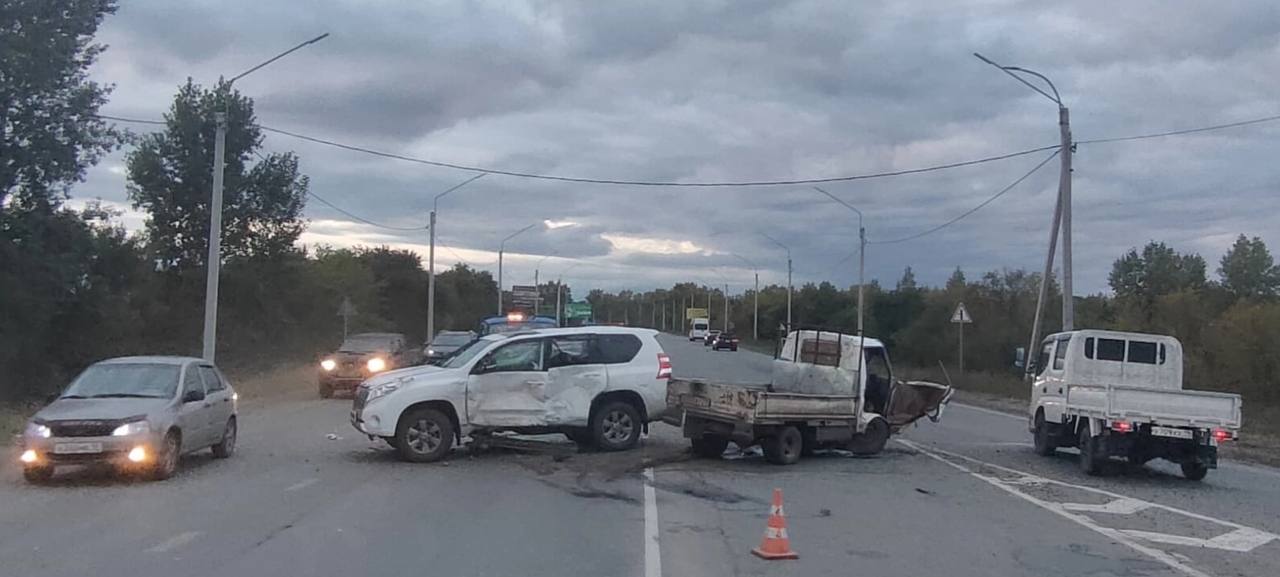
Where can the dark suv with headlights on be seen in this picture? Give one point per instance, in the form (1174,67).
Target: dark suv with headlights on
(362,356)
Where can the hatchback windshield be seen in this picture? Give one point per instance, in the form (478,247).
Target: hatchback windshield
(125,380)
(358,344)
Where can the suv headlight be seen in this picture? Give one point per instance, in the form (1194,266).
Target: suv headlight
(38,430)
(384,389)
(134,428)
(376,364)
(328,364)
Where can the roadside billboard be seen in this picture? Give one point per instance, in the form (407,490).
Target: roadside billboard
(690,314)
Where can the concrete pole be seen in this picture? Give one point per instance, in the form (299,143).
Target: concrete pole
(789,291)
(559,308)
(726,307)
(537,297)
(1064,183)
(755,312)
(961,347)
(214,264)
(862,257)
(1034,347)
(431,280)
(500,281)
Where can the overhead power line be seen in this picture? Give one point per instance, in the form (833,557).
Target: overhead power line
(365,220)
(1179,132)
(974,209)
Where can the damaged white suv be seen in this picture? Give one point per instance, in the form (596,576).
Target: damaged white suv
(600,386)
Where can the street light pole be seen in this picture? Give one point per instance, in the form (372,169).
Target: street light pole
(755,309)
(431,257)
(862,256)
(537,299)
(789,291)
(1061,212)
(502,247)
(214,264)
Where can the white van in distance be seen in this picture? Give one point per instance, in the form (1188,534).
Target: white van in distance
(699,330)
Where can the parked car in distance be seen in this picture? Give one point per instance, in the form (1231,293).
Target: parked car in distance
(600,386)
(361,356)
(139,414)
(711,337)
(445,344)
(725,341)
(1111,393)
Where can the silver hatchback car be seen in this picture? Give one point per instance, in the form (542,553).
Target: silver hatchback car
(138,413)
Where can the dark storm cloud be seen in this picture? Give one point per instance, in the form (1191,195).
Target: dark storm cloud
(742,90)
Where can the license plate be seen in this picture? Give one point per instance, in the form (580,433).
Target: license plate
(1171,432)
(77,448)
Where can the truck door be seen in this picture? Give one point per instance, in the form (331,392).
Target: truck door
(1050,386)
(507,388)
(575,375)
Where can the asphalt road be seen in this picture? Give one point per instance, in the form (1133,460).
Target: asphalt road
(962,497)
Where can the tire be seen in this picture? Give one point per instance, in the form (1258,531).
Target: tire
(784,448)
(424,435)
(227,446)
(1045,445)
(167,458)
(709,447)
(1194,470)
(1090,464)
(733,349)
(616,426)
(326,391)
(38,475)
(872,440)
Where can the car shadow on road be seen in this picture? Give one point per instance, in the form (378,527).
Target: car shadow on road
(101,475)
(1114,469)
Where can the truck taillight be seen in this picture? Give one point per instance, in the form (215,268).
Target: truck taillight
(1221,435)
(1121,426)
(664,366)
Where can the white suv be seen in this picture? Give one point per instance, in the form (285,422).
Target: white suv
(600,386)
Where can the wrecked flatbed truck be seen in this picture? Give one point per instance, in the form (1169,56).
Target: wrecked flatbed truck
(818,398)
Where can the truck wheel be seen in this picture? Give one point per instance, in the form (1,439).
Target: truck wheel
(1089,462)
(38,474)
(784,447)
(326,391)
(424,435)
(1045,445)
(709,447)
(1194,470)
(872,440)
(616,426)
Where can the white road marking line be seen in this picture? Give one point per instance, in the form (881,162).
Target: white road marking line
(1115,507)
(1114,534)
(303,484)
(652,552)
(174,542)
(988,411)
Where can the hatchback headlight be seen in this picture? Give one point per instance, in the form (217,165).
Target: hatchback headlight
(376,364)
(134,428)
(38,430)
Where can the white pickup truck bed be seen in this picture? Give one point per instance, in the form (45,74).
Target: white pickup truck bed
(1167,407)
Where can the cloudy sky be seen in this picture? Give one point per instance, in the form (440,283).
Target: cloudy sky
(738,91)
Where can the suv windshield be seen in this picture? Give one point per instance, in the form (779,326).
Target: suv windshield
(359,344)
(464,355)
(125,380)
(451,340)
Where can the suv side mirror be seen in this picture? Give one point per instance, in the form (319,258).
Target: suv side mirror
(192,396)
(485,365)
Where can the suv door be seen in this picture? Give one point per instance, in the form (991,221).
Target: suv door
(193,416)
(218,396)
(507,387)
(575,375)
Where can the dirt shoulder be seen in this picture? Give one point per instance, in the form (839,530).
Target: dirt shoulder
(1257,443)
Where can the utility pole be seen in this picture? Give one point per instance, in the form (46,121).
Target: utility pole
(726,307)
(1061,212)
(789,291)
(431,257)
(862,258)
(502,247)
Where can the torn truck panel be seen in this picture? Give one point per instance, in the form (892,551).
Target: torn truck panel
(911,400)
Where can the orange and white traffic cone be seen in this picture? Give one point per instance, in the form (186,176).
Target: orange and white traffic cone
(776,544)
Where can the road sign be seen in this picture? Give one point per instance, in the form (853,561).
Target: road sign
(690,314)
(961,315)
(524,295)
(577,311)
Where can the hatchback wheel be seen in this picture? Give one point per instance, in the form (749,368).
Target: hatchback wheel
(616,426)
(227,445)
(167,458)
(424,435)
(38,474)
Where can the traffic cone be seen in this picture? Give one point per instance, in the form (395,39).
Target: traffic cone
(776,544)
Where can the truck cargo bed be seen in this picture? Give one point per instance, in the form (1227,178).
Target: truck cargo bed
(1160,406)
(754,404)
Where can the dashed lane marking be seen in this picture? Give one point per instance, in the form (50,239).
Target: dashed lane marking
(303,484)
(652,551)
(174,542)
(1116,507)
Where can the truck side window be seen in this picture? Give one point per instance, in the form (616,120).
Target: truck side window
(1060,356)
(1142,352)
(1110,350)
(1043,362)
(820,352)
(1088,348)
